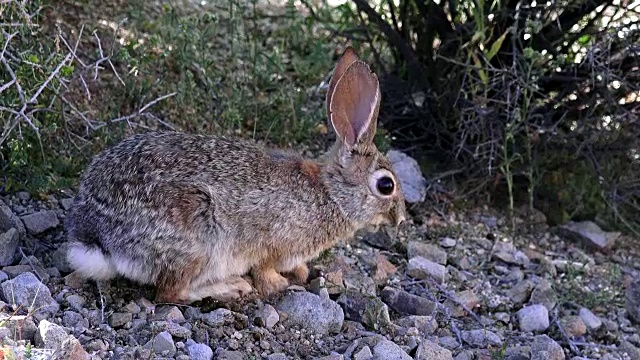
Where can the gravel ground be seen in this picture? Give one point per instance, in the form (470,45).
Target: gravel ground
(462,288)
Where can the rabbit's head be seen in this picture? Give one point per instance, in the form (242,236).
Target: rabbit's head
(361,178)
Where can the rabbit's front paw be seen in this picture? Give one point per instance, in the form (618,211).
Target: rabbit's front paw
(228,290)
(268,281)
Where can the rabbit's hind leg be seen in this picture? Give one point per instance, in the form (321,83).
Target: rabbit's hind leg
(268,281)
(173,285)
(228,289)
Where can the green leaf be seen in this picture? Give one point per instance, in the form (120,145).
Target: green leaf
(584,39)
(495,47)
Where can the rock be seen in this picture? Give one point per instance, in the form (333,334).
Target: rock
(413,184)
(427,251)
(448,242)
(382,239)
(508,253)
(383,268)
(117,320)
(9,220)
(406,303)
(519,294)
(222,354)
(533,318)
(70,349)
(388,350)
(277,356)
(8,245)
(3,276)
(76,302)
(368,310)
(200,352)
(481,338)
(427,325)
(430,351)
(630,349)
(544,348)
(15,270)
(162,344)
(50,335)
(28,291)
(66,203)
(18,327)
(59,259)
(217,317)
(311,311)
(588,233)
(544,294)
(169,313)
(632,301)
(268,316)
(573,326)
(364,354)
(467,298)
(176,330)
(40,222)
(590,319)
(356,281)
(421,268)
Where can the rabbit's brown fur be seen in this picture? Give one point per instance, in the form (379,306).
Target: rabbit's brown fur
(191,214)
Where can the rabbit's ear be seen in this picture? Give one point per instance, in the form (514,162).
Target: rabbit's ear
(348,57)
(353,107)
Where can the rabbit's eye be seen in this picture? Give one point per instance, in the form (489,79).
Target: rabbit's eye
(385,185)
(382,183)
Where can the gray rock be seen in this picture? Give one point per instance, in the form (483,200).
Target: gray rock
(449,342)
(66,203)
(200,352)
(40,222)
(222,354)
(70,349)
(421,268)
(9,220)
(28,291)
(630,349)
(413,184)
(23,195)
(533,318)
(383,238)
(364,354)
(3,276)
(544,294)
(508,253)
(59,259)
(169,313)
(544,348)
(388,350)
(366,309)
(76,302)
(632,301)
(430,351)
(72,319)
(427,251)
(481,338)
(448,242)
(331,357)
(217,317)
(162,344)
(50,335)
(590,319)
(277,356)
(18,329)
(589,234)
(268,316)
(15,270)
(311,311)
(117,320)
(427,325)
(406,303)
(8,245)
(520,293)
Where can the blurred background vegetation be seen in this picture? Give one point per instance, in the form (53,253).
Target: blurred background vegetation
(514,103)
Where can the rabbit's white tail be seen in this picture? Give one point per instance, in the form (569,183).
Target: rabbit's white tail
(90,262)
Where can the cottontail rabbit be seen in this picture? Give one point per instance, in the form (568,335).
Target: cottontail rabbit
(192,214)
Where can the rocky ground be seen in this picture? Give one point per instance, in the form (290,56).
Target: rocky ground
(459,287)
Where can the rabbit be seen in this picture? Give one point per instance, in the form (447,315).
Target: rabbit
(198,216)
